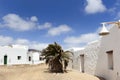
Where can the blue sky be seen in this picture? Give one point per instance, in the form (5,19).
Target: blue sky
(71,23)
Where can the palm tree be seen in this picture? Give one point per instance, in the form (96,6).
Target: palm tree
(56,58)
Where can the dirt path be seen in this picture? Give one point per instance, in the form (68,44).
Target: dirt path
(39,72)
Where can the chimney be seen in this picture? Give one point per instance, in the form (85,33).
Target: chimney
(104,30)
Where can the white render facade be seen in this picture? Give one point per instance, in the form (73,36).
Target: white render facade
(13,54)
(88,60)
(101,58)
(108,65)
(19,54)
(85,59)
(34,57)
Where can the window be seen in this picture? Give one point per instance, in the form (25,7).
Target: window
(40,58)
(18,57)
(29,58)
(110,59)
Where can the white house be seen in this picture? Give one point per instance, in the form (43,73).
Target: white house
(108,64)
(102,57)
(85,59)
(89,57)
(13,54)
(75,63)
(34,57)
(19,54)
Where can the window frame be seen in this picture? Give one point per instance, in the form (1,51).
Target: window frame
(19,57)
(110,59)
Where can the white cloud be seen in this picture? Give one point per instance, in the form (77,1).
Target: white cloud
(22,41)
(59,30)
(114,10)
(15,22)
(34,18)
(38,46)
(45,26)
(80,41)
(84,38)
(94,6)
(31,44)
(6,40)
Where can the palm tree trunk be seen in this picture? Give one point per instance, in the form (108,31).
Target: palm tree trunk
(56,66)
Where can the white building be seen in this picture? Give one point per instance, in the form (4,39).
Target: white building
(108,64)
(34,57)
(89,57)
(75,63)
(101,58)
(85,59)
(13,54)
(19,54)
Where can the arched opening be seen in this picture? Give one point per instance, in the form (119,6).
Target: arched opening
(5,59)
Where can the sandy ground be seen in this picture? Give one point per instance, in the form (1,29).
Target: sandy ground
(39,72)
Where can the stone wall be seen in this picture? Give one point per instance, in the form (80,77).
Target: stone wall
(90,54)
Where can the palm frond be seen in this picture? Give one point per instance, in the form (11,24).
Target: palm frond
(55,56)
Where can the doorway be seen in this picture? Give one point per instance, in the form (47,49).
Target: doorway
(82,62)
(5,59)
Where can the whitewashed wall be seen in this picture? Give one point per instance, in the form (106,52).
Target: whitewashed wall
(90,53)
(75,63)
(109,42)
(12,53)
(76,59)
(35,57)
(91,57)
